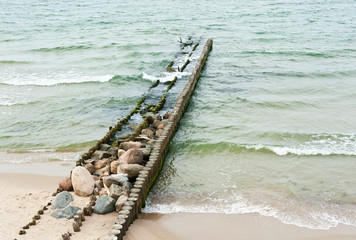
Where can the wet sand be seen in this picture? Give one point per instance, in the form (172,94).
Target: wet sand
(23,195)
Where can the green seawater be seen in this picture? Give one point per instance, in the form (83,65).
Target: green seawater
(271,127)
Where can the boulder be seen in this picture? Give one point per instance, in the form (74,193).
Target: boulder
(120,152)
(113,166)
(121,201)
(159,133)
(119,179)
(67,212)
(101,163)
(150,143)
(90,168)
(104,147)
(66,184)
(156,123)
(147,131)
(83,182)
(113,151)
(127,145)
(115,191)
(160,126)
(166,115)
(104,204)
(132,170)
(62,200)
(98,155)
(146,152)
(132,156)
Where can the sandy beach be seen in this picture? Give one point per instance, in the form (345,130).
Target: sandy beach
(23,194)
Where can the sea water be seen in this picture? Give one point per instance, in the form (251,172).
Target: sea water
(271,127)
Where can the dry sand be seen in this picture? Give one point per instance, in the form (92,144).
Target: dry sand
(22,195)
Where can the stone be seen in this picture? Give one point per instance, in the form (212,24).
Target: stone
(115,191)
(36,217)
(146,152)
(88,211)
(132,170)
(67,212)
(128,145)
(156,123)
(121,201)
(132,156)
(119,179)
(78,220)
(159,117)
(105,204)
(32,223)
(22,232)
(80,213)
(104,147)
(66,236)
(160,126)
(151,143)
(26,226)
(113,151)
(147,131)
(83,182)
(66,184)
(166,115)
(113,166)
(101,163)
(98,155)
(62,200)
(120,152)
(159,133)
(90,168)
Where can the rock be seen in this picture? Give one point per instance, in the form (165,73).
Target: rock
(156,123)
(115,191)
(62,200)
(96,178)
(98,155)
(88,211)
(83,182)
(90,168)
(68,212)
(104,147)
(146,152)
(80,213)
(119,179)
(159,133)
(147,131)
(113,151)
(151,143)
(40,212)
(159,118)
(22,232)
(120,202)
(166,115)
(132,170)
(127,145)
(120,152)
(36,217)
(132,156)
(160,126)
(104,204)
(101,163)
(113,166)
(78,220)
(66,184)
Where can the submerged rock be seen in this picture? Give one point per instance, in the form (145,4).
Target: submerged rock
(132,156)
(67,212)
(83,182)
(62,200)
(104,204)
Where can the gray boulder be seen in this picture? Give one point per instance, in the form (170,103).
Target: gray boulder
(104,204)
(62,200)
(67,212)
(104,147)
(115,191)
(119,179)
(98,155)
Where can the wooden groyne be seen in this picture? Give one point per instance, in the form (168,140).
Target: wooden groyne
(144,181)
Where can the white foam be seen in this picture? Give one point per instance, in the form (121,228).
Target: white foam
(320,145)
(52,79)
(167,76)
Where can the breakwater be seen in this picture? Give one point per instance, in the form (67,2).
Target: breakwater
(148,174)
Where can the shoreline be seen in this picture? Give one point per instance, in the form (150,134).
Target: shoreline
(36,190)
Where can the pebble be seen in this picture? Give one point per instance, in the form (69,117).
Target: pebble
(32,223)
(76,227)
(36,217)
(22,232)
(26,227)
(40,212)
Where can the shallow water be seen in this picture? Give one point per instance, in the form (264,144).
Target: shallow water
(270,128)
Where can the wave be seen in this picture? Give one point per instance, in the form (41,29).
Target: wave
(310,145)
(55,80)
(64,48)
(291,53)
(166,76)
